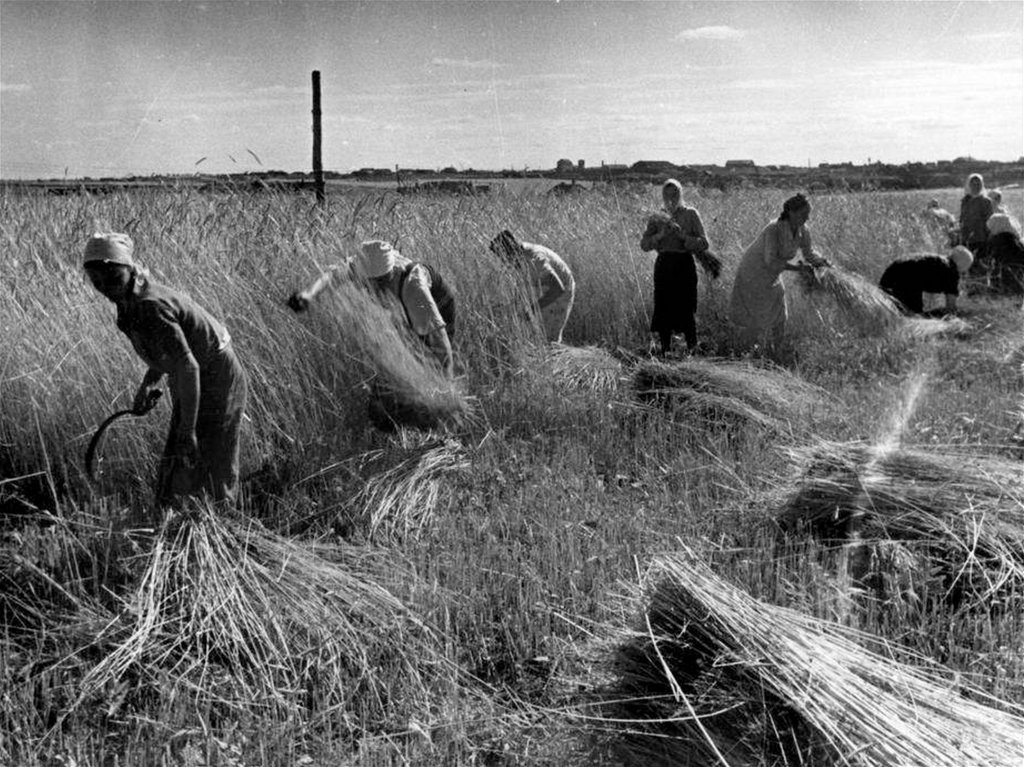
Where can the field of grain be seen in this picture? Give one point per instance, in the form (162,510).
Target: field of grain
(538,583)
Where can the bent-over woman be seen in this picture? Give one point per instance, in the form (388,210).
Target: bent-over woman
(177,338)
(758,306)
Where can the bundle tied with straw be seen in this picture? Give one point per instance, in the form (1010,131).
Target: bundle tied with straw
(862,303)
(225,613)
(714,389)
(400,497)
(588,368)
(964,512)
(715,677)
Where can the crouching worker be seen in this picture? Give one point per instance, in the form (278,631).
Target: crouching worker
(907,280)
(426,299)
(177,338)
(550,280)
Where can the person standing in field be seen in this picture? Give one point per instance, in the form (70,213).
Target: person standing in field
(177,338)
(677,235)
(758,305)
(907,280)
(550,280)
(975,209)
(426,300)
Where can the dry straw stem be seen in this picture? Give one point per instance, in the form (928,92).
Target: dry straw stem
(710,388)
(730,680)
(866,305)
(252,621)
(970,507)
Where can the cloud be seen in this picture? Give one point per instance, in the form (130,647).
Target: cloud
(463,63)
(15,87)
(711,33)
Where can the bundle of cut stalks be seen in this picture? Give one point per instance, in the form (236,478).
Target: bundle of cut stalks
(228,614)
(709,262)
(716,677)
(860,302)
(712,389)
(966,512)
(584,367)
(929,327)
(400,500)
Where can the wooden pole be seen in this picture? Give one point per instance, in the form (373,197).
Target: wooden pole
(318,168)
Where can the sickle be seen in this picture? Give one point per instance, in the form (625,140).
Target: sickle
(94,443)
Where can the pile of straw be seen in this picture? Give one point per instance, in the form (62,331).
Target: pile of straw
(401,500)
(709,389)
(228,614)
(967,512)
(862,303)
(716,677)
(588,368)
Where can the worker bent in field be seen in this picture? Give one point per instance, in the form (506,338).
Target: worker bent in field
(425,298)
(550,280)
(758,306)
(943,220)
(177,338)
(907,280)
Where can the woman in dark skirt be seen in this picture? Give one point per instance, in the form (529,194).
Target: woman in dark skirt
(677,235)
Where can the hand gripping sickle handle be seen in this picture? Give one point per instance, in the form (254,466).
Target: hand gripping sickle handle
(90,453)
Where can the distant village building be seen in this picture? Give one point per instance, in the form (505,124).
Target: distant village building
(613,165)
(739,164)
(564,166)
(653,166)
(581,165)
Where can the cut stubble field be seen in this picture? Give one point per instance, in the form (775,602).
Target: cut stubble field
(522,587)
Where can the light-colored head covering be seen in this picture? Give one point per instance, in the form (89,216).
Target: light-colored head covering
(933,203)
(967,185)
(674,185)
(1002,223)
(996,196)
(110,247)
(376,259)
(962,257)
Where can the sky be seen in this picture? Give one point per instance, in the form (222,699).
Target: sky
(126,87)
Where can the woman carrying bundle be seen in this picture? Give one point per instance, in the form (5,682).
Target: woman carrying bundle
(907,280)
(975,209)
(758,305)
(677,235)
(176,337)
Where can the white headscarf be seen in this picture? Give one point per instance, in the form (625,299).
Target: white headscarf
(967,185)
(679,188)
(110,247)
(376,259)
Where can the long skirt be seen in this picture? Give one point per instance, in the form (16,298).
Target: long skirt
(223,391)
(675,295)
(555,315)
